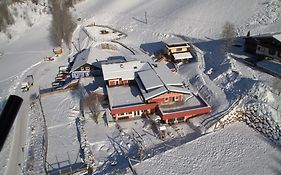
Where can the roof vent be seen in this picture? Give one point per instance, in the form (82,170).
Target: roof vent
(121,65)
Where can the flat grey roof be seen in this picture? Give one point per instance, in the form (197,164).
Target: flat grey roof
(156,79)
(150,80)
(178,89)
(166,75)
(121,96)
(192,101)
(154,93)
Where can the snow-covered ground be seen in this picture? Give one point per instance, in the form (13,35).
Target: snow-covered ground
(61,111)
(222,80)
(236,149)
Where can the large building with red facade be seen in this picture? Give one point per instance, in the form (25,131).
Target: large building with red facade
(136,88)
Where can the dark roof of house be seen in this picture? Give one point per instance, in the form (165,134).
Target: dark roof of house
(276,36)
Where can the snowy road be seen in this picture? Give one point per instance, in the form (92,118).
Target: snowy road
(16,154)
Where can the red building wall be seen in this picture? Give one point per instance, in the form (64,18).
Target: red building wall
(186,114)
(149,108)
(115,82)
(166,98)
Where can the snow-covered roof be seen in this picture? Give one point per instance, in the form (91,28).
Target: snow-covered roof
(124,70)
(98,55)
(236,149)
(175,41)
(277,37)
(181,56)
(81,59)
(91,55)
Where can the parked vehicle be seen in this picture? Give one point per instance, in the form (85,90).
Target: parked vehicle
(27,83)
(60,78)
(57,84)
(62,74)
(63,69)
(49,59)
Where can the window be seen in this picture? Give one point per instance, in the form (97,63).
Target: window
(279,54)
(82,68)
(135,67)
(179,49)
(87,68)
(180,119)
(271,51)
(166,99)
(123,118)
(176,98)
(261,49)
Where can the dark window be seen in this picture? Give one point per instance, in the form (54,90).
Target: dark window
(171,120)
(279,54)
(180,119)
(271,51)
(179,49)
(260,48)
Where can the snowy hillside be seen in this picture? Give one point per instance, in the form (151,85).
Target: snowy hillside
(222,152)
(227,84)
(192,18)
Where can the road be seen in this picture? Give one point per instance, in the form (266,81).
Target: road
(16,157)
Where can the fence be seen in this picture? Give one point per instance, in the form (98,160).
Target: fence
(36,151)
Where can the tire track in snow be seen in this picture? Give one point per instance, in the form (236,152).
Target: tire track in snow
(268,14)
(19,77)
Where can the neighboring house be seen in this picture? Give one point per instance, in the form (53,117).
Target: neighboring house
(135,89)
(81,67)
(89,61)
(268,45)
(179,50)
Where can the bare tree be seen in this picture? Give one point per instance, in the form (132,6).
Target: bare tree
(228,34)
(63,24)
(92,102)
(6,17)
